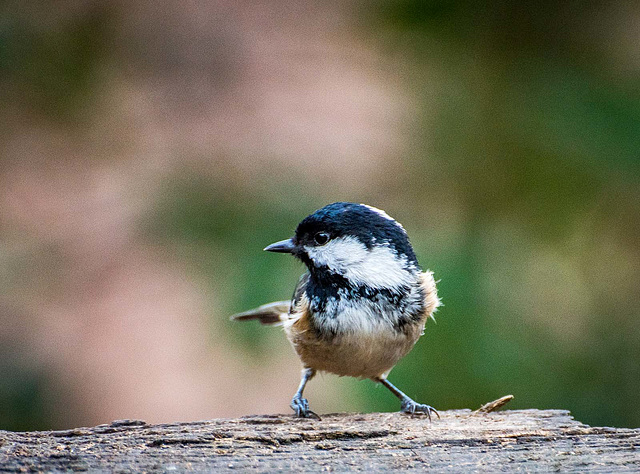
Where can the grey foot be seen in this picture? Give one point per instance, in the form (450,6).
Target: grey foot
(301,407)
(411,407)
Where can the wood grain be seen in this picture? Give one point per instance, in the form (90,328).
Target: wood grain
(519,440)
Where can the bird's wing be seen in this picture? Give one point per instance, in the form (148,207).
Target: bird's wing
(298,293)
(271,314)
(275,314)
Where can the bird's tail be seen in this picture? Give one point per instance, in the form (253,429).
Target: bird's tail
(271,314)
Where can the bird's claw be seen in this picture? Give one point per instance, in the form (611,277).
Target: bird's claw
(301,407)
(411,407)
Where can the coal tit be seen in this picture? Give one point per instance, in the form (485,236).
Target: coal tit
(362,304)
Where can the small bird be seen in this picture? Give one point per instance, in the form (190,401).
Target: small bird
(362,304)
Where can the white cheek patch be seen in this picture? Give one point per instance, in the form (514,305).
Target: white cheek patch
(338,254)
(379,267)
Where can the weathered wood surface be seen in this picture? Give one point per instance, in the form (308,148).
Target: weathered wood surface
(522,440)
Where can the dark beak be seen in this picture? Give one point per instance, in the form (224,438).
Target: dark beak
(284,246)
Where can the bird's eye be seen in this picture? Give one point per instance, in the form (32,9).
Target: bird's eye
(321,238)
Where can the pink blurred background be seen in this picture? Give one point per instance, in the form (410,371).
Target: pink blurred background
(110,110)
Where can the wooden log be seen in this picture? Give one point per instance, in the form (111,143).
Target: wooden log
(519,440)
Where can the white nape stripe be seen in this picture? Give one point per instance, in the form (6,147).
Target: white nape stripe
(383,214)
(379,267)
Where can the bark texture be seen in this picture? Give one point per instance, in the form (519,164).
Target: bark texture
(519,440)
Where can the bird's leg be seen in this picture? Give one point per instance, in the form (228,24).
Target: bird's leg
(407,404)
(301,405)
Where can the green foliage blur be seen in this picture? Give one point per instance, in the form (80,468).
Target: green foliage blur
(540,140)
(521,191)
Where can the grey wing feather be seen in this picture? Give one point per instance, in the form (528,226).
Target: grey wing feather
(269,314)
(274,314)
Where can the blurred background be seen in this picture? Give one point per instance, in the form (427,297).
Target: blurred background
(148,152)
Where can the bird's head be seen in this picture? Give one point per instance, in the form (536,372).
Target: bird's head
(356,242)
